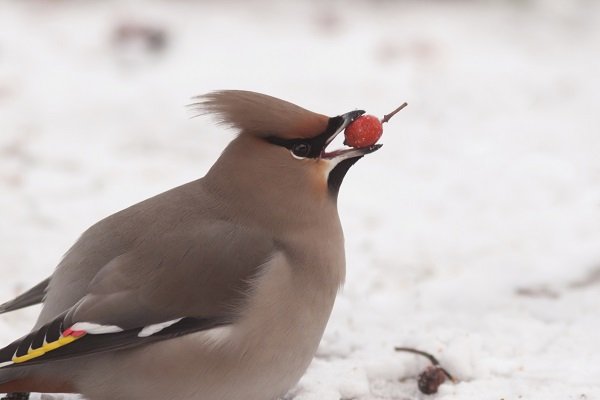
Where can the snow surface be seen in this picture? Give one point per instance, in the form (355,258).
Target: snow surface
(473,234)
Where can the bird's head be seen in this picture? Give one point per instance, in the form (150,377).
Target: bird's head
(282,149)
(281,138)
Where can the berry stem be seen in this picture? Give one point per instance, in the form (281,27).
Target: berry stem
(430,357)
(389,116)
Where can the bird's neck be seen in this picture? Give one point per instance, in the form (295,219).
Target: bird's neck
(251,179)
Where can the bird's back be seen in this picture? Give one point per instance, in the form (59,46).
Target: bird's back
(118,234)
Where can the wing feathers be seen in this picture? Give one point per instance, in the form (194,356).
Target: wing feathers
(35,344)
(70,343)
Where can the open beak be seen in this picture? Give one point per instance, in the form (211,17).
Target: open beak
(347,152)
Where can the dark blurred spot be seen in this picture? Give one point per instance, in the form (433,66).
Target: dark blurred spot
(389,51)
(591,279)
(327,21)
(5,92)
(539,292)
(139,37)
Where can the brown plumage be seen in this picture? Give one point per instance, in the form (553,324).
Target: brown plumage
(261,115)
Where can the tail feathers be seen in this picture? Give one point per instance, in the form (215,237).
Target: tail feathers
(16,396)
(33,296)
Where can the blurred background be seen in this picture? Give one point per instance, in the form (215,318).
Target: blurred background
(473,234)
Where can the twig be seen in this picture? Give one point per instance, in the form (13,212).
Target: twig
(389,116)
(430,357)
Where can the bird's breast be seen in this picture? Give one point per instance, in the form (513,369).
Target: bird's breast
(283,322)
(259,357)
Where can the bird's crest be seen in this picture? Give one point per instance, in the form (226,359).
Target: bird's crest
(260,115)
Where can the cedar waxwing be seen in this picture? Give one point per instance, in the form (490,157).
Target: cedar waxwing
(217,289)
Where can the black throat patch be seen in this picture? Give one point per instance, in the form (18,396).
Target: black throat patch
(337,174)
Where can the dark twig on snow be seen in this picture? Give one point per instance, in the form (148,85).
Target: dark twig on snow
(433,376)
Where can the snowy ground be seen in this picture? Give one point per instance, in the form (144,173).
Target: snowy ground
(475,232)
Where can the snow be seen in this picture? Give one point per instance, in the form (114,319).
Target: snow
(474,233)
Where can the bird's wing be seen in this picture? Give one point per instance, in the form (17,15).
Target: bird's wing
(33,296)
(54,342)
(195,279)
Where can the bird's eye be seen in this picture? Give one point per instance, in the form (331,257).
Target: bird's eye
(301,149)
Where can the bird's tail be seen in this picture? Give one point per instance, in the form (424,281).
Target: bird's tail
(14,382)
(16,396)
(33,296)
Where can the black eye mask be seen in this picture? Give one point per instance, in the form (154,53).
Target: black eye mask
(309,147)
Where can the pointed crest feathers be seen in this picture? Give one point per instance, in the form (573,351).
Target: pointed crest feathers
(260,115)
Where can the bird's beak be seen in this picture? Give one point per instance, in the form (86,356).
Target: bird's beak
(341,154)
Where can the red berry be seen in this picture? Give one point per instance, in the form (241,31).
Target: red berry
(363,131)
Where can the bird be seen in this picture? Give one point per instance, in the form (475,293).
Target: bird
(220,288)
